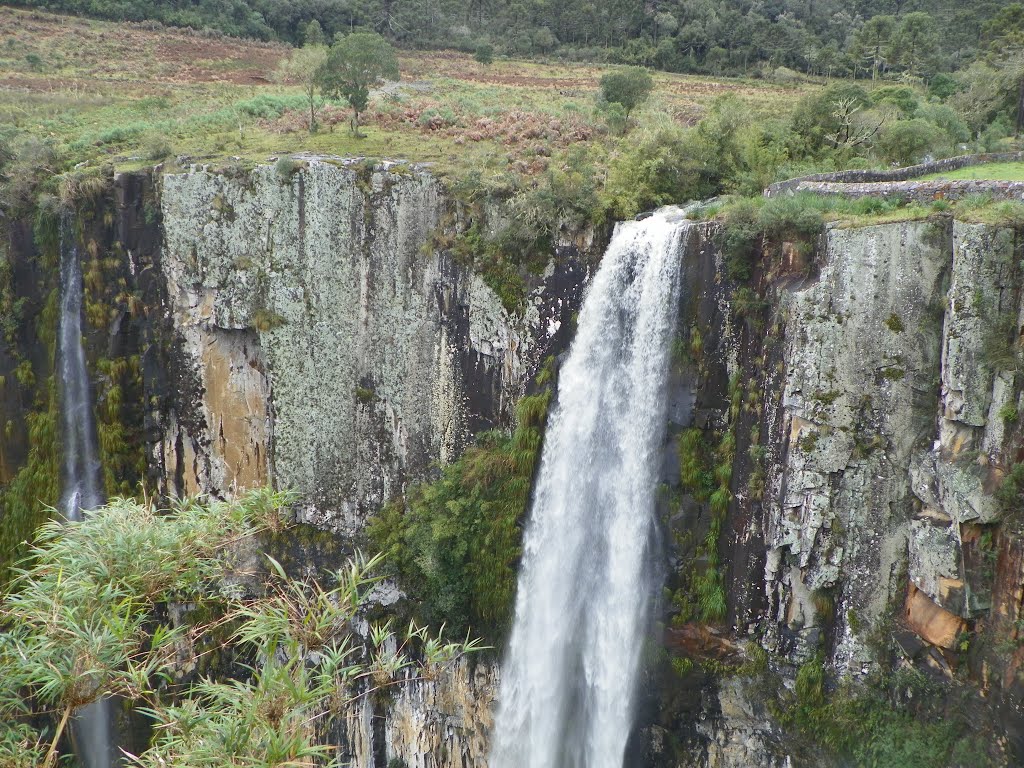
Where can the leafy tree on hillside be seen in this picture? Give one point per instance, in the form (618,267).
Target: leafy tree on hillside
(1006,57)
(873,42)
(915,41)
(833,118)
(303,67)
(314,34)
(484,53)
(629,87)
(354,65)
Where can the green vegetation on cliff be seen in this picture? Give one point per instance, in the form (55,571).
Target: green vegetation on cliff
(895,720)
(90,619)
(455,543)
(27,500)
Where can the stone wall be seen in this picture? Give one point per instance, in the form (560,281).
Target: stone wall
(894,174)
(918,191)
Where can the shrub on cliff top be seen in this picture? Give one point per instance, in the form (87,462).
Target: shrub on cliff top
(738,238)
(794,217)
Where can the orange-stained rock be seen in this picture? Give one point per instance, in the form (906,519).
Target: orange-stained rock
(930,621)
(793,257)
(237,397)
(698,641)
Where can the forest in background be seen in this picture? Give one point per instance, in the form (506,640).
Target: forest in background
(863,38)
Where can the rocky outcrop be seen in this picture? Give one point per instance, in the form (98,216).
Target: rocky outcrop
(954,480)
(887,424)
(326,345)
(862,354)
(440,723)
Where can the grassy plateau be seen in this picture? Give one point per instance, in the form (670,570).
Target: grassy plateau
(132,94)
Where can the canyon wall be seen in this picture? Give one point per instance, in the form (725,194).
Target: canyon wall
(305,326)
(332,350)
(872,396)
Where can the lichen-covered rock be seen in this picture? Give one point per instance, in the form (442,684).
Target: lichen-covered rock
(741,732)
(955,479)
(982,260)
(862,355)
(333,350)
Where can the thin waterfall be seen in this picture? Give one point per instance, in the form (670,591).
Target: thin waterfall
(569,677)
(82,472)
(92,730)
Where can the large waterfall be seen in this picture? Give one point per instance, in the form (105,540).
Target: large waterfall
(81,477)
(569,678)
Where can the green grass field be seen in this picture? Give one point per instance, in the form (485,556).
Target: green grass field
(989,172)
(130,94)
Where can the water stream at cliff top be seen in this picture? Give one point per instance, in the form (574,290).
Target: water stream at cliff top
(81,477)
(569,678)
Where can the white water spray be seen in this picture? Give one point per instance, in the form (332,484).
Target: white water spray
(569,679)
(81,478)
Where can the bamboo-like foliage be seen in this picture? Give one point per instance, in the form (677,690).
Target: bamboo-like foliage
(82,623)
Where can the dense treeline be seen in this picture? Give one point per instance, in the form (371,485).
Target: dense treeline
(860,38)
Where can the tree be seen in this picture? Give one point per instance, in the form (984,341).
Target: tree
(916,40)
(484,53)
(908,141)
(302,67)
(834,118)
(873,41)
(664,24)
(89,620)
(355,64)
(313,34)
(981,96)
(1006,32)
(629,87)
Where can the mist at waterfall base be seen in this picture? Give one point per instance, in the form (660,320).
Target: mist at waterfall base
(92,731)
(569,678)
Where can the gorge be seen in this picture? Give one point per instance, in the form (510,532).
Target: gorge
(836,424)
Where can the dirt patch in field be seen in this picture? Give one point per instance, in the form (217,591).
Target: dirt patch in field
(45,51)
(216,60)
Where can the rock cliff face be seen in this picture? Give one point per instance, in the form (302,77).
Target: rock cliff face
(325,345)
(330,349)
(861,357)
(446,722)
(888,421)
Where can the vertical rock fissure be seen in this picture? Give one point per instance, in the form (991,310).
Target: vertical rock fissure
(569,676)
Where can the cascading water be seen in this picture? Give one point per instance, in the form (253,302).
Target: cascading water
(569,676)
(81,478)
